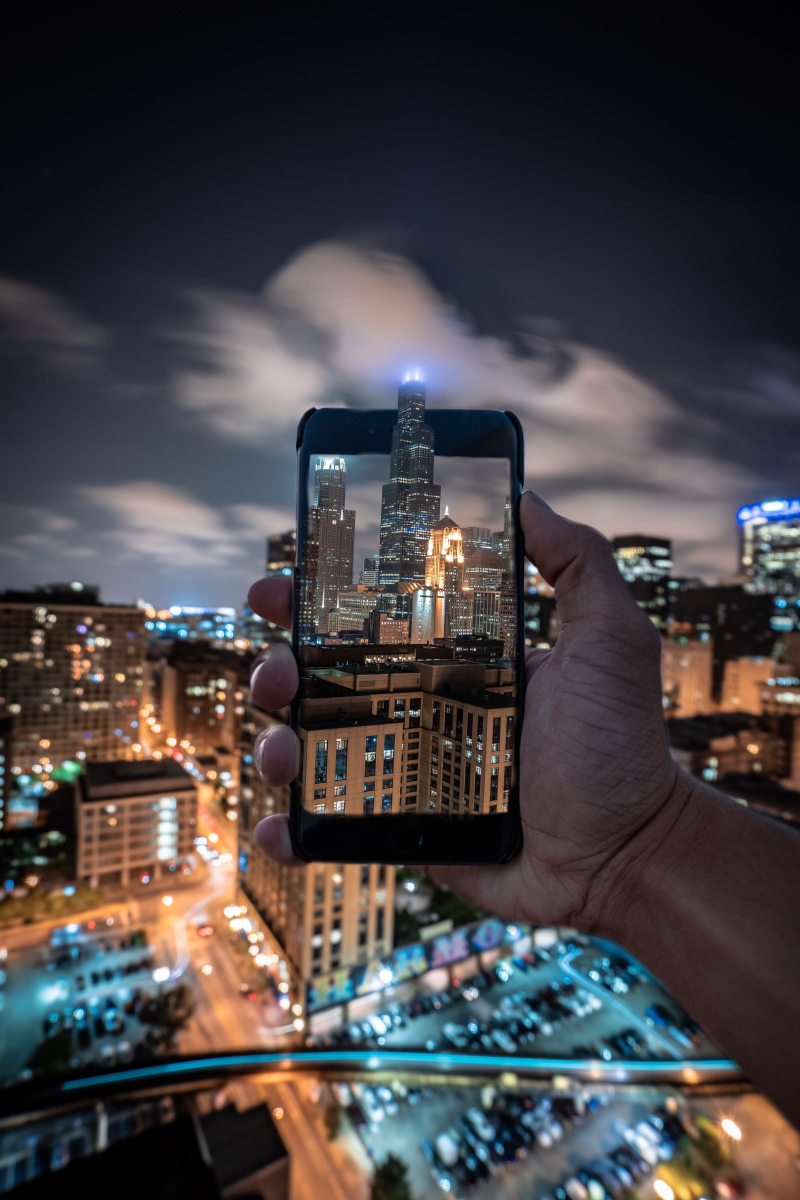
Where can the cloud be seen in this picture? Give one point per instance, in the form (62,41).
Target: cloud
(340,323)
(156,523)
(39,322)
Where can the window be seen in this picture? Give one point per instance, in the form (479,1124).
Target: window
(321,762)
(338,805)
(479,733)
(399,710)
(435,714)
(459,724)
(319,808)
(496,733)
(369,804)
(386,802)
(388,754)
(448,720)
(469,728)
(369,754)
(414,712)
(478,782)
(510,732)
(340,789)
(341,759)
(320,793)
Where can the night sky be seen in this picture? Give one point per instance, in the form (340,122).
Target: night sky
(212,221)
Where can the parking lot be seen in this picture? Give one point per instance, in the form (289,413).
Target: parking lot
(531,1178)
(566,1012)
(79,982)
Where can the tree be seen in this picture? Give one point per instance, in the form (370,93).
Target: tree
(390,1180)
(168,1013)
(53,1055)
(333,1120)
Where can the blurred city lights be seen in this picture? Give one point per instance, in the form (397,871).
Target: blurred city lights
(663,1190)
(731,1129)
(167,901)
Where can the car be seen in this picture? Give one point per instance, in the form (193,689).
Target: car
(371,1106)
(205,930)
(575,1189)
(480,1124)
(504,1041)
(386,1097)
(657,1014)
(447,1147)
(592,1184)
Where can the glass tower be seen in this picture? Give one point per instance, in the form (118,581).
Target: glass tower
(410,501)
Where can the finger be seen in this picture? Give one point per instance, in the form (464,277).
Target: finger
(271,598)
(493,887)
(274,680)
(577,561)
(277,754)
(272,835)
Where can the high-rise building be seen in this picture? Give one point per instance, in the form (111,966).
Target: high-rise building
(133,819)
(444,572)
(331,916)
(477,537)
(769,555)
(182,623)
(202,691)
(370,575)
(410,501)
(743,682)
(6,759)
(645,563)
(71,676)
(334,526)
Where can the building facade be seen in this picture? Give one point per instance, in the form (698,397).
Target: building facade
(71,676)
(134,820)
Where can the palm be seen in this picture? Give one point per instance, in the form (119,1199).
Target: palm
(594,758)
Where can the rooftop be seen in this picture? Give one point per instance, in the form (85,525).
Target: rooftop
(139,778)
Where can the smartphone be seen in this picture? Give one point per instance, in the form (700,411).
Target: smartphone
(408,631)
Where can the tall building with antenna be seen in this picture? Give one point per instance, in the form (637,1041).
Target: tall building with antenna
(410,501)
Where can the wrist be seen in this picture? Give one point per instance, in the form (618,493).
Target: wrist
(645,871)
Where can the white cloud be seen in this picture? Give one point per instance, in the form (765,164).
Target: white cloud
(158,523)
(339,320)
(43,324)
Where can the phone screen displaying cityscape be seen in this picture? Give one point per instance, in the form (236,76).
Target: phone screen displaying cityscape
(407,629)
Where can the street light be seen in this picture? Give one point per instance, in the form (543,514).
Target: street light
(731,1129)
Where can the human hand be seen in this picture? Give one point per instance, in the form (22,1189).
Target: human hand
(598,787)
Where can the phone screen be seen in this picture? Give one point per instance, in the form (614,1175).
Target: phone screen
(407,629)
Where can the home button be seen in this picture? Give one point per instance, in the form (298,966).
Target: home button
(406,841)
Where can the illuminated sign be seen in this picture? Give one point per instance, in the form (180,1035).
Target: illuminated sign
(409,962)
(768,510)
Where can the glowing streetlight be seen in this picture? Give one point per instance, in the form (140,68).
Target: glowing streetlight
(731,1129)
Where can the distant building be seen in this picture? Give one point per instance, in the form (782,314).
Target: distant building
(737,622)
(717,744)
(71,676)
(410,501)
(743,682)
(477,538)
(281,552)
(202,691)
(133,819)
(769,553)
(6,759)
(385,630)
(645,563)
(686,671)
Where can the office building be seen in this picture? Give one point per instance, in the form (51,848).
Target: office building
(71,676)
(769,547)
(370,575)
(645,563)
(134,821)
(686,675)
(202,691)
(410,501)
(330,537)
(716,744)
(330,916)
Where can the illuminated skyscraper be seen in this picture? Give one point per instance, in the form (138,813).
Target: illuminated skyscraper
(335,529)
(410,501)
(645,563)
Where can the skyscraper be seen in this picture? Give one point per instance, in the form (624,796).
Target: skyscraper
(645,563)
(769,549)
(336,527)
(410,501)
